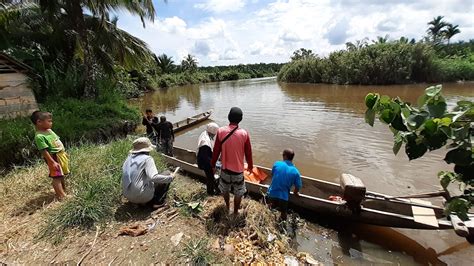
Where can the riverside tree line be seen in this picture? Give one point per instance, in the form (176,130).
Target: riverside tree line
(384,61)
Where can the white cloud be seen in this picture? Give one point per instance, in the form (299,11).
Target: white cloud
(171,25)
(220,6)
(201,48)
(208,29)
(230,54)
(279,27)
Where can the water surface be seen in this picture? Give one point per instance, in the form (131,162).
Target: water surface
(325,126)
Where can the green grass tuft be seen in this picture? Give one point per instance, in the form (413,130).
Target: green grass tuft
(197,252)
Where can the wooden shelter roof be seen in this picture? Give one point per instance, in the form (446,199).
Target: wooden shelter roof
(9,64)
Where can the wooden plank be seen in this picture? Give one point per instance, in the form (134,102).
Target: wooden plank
(10,92)
(424,215)
(6,109)
(12,77)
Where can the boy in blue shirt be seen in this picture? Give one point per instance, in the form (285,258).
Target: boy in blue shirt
(284,176)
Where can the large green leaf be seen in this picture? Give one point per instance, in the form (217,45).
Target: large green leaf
(445,178)
(415,120)
(370,117)
(459,156)
(459,206)
(433,90)
(415,150)
(387,116)
(397,143)
(371,99)
(397,123)
(437,109)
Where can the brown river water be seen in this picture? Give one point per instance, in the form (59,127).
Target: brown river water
(325,126)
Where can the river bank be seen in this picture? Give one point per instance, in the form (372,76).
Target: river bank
(86,227)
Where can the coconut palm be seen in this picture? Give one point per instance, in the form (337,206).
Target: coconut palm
(359,44)
(189,63)
(435,31)
(34,26)
(450,31)
(381,39)
(165,63)
(71,15)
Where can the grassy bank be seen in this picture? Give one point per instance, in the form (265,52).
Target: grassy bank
(74,120)
(381,64)
(38,230)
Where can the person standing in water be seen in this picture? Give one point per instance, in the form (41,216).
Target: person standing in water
(165,136)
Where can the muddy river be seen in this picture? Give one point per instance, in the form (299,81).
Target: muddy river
(325,126)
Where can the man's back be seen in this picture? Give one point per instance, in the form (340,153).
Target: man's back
(284,176)
(235,148)
(165,130)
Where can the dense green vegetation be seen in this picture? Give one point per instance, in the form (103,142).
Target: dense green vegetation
(433,59)
(182,76)
(431,126)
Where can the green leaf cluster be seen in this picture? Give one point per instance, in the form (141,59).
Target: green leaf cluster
(431,126)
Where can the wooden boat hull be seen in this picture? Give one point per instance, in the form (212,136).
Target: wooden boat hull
(191,121)
(382,213)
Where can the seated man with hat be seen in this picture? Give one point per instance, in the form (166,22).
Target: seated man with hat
(141,182)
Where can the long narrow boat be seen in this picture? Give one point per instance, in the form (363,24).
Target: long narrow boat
(191,121)
(381,209)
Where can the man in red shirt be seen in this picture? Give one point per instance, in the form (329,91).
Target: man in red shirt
(233,144)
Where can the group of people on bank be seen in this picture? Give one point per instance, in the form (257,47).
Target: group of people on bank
(221,154)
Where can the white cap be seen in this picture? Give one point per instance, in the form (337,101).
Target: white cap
(212,128)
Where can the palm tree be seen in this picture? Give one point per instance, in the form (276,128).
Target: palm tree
(165,63)
(302,53)
(381,39)
(72,16)
(26,27)
(435,30)
(359,44)
(450,31)
(189,63)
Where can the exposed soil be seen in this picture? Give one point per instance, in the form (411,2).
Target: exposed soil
(24,207)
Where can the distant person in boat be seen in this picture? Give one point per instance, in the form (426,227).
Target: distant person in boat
(204,156)
(233,144)
(165,136)
(141,182)
(150,121)
(284,176)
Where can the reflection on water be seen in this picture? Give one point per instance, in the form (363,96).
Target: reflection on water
(325,126)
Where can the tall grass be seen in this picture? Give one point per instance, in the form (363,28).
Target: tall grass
(95,186)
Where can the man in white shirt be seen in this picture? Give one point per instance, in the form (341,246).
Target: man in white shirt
(141,182)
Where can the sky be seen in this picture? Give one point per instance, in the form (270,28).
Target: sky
(229,32)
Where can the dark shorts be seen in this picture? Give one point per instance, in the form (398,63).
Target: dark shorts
(278,204)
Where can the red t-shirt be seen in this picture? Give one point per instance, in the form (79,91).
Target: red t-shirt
(234,149)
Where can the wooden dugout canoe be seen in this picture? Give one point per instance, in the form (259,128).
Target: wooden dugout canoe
(191,121)
(314,197)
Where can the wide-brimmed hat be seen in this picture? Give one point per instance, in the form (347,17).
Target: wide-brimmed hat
(212,128)
(142,144)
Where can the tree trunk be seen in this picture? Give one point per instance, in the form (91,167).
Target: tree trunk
(74,9)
